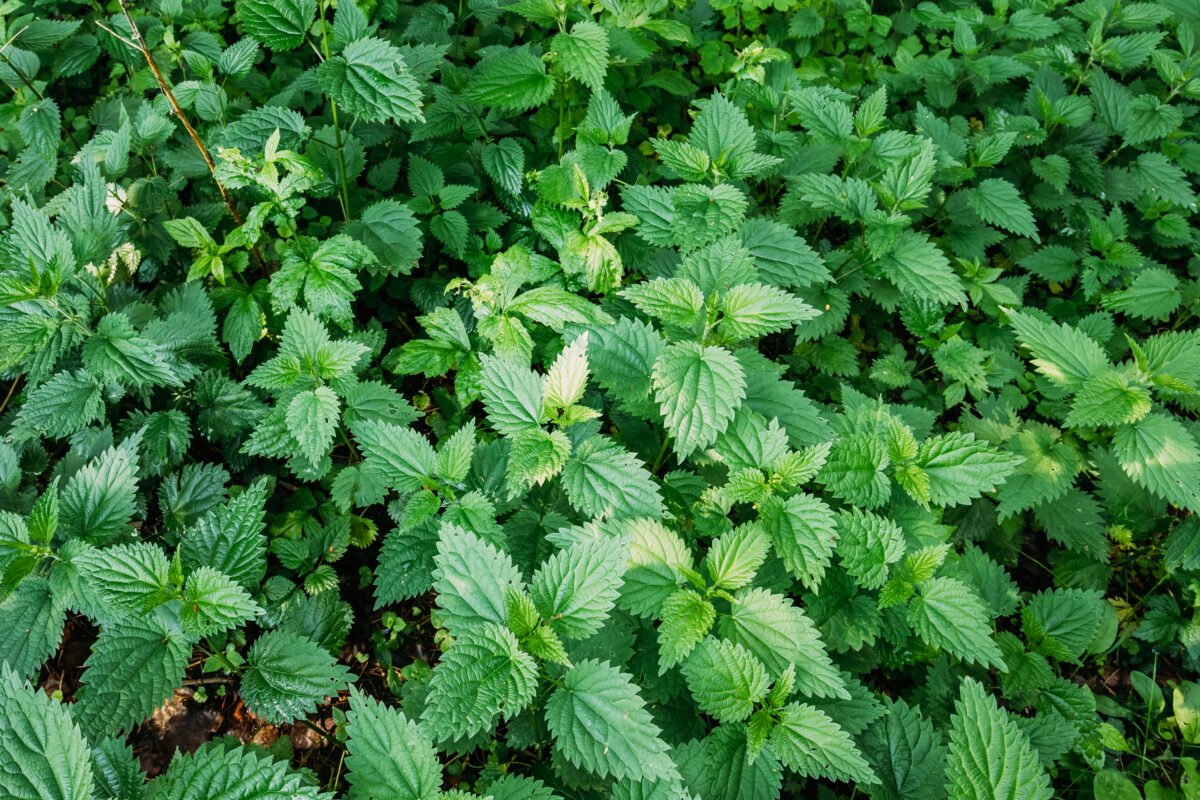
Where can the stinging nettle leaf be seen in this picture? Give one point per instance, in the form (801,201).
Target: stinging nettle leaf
(388,754)
(287,676)
(514,80)
(583,52)
(603,479)
(989,755)
(472,579)
(600,724)
(370,80)
(948,615)
(575,589)
(698,389)
(278,25)
(43,754)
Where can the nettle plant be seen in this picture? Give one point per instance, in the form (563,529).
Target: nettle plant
(627,399)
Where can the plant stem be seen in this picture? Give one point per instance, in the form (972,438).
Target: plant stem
(562,118)
(337,128)
(662,455)
(341,156)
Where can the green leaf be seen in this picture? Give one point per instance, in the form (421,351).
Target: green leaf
(575,589)
(504,162)
(117,771)
(390,230)
(190,232)
(687,618)
(722,130)
(238,59)
(233,772)
(722,767)
(1149,118)
(907,753)
(780,636)
(1112,785)
(243,321)
(951,617)
(312,417)
(370,80)
(918,268)
(62,405)
(287,676)
(472,580)
(906,185)
(512,395)
(734,558)
(1185,701)
(854,471)
(556,308)
(751,441)
(403,458)
(483,675)
(322,274)
(1065,355)
(828,122)
(752,310)
(809,742)
(43,755)
(702,214)
(212,603)
(869,544)
(657,557)
(782,257)
(780,399)
(1153,294)
(31,626)
(997,202)
(652,205)
(675,302)
(133,577)
(455,454)
(601,725)
(230,539)
(1160,454)
(990,758)
(451,229)
(1061,623)
(622,356)
(583,53)
(1110,397)
(803,532)
(960,468)
(389,757)
(372,400)
(601,478)
(98,501)
(513,80)
(535,457)
(725,679)
(280,26)
(685,160)
(135,666)
(1047,472)
(698,390)
(568,375)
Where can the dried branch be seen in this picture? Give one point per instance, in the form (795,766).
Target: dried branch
(140,44)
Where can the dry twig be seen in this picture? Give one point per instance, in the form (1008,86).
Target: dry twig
(139,44)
